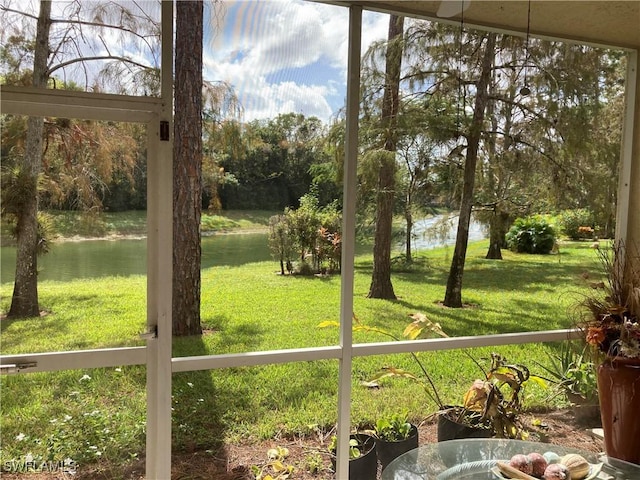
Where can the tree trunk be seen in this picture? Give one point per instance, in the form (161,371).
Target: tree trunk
(24,302)
(187,169)
(381,286)
(490,179)
(408,217)
(453,295)
(496,237)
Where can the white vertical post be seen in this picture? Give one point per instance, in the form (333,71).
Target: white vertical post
(348,239)
(160,265)
(627,228)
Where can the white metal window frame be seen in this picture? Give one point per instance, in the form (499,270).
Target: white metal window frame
(157,354)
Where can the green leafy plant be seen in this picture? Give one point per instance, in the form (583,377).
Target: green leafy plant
(573,373)
(313,462)
(494,401)
(355,447)
(310,233)
(498,398)
(392,429)
(577,224)
(280,241)
(420,327)
(531,235)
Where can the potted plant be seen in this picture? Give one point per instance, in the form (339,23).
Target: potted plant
(573,373)
(611,322)
(363,463)
(489,407)
(394,435)
(457,422)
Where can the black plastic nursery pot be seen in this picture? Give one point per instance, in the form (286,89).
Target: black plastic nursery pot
(389,451)
(365,467)
(450,429)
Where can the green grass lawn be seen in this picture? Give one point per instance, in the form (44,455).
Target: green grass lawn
(99,413)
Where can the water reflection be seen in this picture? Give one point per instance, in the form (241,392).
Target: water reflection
(101,258)
(441,230)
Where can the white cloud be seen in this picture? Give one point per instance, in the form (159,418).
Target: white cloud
(280,56)
(282,97)
(284,56)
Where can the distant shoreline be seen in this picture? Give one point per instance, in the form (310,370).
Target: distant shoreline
(138,236)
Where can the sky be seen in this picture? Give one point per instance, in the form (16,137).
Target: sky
(284,56)
(280,56)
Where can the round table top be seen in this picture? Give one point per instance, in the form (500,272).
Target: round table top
(474,459)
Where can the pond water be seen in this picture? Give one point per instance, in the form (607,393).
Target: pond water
(441,230)
(100,258)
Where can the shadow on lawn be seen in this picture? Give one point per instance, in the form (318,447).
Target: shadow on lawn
(197,426)
(499,275)
(518,314)
(233,337)
(197,419)
(46,326)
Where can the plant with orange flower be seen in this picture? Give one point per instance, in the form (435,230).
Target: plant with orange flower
(611,316)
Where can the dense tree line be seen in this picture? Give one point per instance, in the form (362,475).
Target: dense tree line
(268,173)
(273,168)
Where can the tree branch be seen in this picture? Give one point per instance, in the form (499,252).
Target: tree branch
(521,107)
(100,25)
(519,141)
(102,57)
(11,10)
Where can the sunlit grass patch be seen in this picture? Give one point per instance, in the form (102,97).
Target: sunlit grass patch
(80,314)
(236,220)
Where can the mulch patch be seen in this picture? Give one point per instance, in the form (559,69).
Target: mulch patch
(235,461)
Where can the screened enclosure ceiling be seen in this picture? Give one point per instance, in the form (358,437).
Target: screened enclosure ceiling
(608,23)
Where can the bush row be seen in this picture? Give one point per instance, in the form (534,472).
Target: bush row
(535,234)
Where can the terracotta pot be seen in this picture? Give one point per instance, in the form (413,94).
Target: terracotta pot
(619,393)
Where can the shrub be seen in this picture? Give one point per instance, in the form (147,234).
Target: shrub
(577,224)
(531,235)
(280,241)
(311,233)
(303,268)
